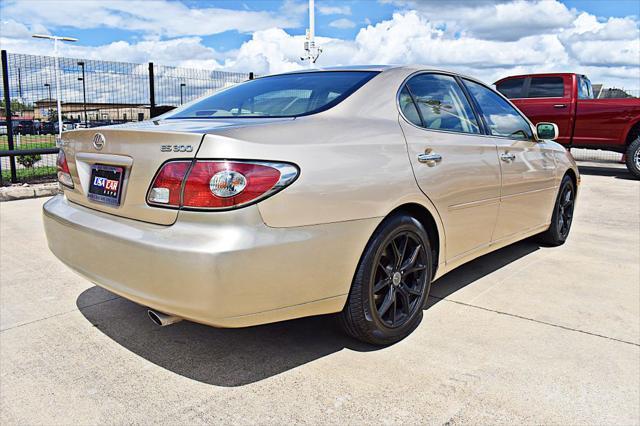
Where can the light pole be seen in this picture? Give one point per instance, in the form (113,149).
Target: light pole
(48,86)
(57,66)
(84,94)
(181,86)
(313,51)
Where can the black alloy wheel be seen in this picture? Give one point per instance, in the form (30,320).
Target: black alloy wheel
(391,283)
(562,217)
(399,279)
(565,211)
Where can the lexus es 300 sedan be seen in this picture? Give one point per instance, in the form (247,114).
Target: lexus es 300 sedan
(332,191)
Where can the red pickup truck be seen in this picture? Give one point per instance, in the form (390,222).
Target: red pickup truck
(584,122)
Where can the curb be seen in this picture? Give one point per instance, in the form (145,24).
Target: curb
(11,193)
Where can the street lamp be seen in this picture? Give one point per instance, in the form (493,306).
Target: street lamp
(84,94)
(56,39)
(181,86)
(48,86)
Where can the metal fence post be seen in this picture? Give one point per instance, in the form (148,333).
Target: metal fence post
(152,92)
(7,110)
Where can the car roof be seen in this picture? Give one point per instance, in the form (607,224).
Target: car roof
(543,74)
(380,68)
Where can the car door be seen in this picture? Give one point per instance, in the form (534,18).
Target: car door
(528,166)
(548,98)
(455,165)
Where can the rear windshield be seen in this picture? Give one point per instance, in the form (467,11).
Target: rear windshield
(289,95)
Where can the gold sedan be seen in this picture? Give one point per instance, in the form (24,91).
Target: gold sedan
(330,191)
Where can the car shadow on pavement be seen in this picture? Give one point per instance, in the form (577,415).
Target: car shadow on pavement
(236,357)
(478,268)
(617,172)
(221,357)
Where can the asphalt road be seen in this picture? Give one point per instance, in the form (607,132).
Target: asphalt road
(527,334)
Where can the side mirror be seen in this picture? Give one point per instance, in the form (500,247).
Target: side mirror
(547,131)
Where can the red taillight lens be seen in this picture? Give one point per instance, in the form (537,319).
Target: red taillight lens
(167,186)
(213,184)
(216,184)
(64,175)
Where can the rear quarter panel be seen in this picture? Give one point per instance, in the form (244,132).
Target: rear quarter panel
(349,168)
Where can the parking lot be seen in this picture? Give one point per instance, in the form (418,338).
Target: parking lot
(527,334)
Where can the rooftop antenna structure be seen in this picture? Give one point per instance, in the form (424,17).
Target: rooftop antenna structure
(56,39)
(310,47)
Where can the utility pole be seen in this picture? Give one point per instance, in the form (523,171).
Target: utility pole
(313,51)
(48,86)
(84,94)
(56,39)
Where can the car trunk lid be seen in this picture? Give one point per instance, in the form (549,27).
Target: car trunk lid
(140,149)
(139,153)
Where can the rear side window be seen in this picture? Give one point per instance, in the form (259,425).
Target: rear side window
(546,87)
(511,88)
(585,90)
(287,95)
(408,108)
(502,119)
(442,105)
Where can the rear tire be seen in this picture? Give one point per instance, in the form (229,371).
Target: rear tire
(391,284)
(633,157)
(562,216)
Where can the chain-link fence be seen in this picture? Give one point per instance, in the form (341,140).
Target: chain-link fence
(92,93)
(614,93)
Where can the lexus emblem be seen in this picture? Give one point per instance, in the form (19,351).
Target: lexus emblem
(98,141)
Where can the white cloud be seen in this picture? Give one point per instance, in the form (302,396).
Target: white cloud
(410,37)
(494,20)
(334,10)
(162,17)
(606,50)
(342,23)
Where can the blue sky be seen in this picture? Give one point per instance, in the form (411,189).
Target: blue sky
(484,38)
(362,12)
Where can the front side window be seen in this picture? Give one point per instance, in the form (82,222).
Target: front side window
(546,87)
(511,88)
(502,118)
(288,95)
(442,105)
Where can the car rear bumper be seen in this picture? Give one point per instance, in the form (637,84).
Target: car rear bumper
(226,269)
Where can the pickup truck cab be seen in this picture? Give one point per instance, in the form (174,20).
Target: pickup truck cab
(584,122)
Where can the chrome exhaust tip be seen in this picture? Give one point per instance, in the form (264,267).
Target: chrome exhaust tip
(161,319)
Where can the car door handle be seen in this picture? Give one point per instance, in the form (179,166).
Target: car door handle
(429,159)
(507,156)
(560,106)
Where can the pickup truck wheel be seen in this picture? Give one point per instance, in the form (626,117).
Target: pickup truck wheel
(391,283)
(633,157)
(562,217)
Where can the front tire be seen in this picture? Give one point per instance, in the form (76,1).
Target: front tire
(633,157)
(391,283)
(562,216)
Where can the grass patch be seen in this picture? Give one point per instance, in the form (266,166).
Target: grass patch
(28,142)
(32,174)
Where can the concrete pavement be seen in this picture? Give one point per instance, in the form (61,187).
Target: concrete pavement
(527,334)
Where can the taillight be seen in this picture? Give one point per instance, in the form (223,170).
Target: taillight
(64,175)
(218,184)
(166,188)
